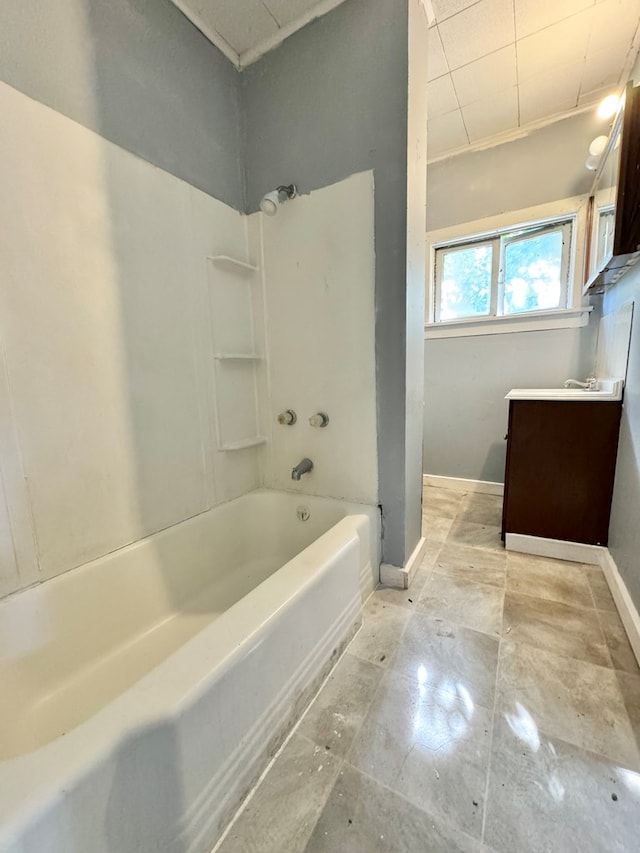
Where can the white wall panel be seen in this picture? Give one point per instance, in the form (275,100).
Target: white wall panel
(103,324)
(320,280)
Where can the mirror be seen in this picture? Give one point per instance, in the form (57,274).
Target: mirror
(615,199)
(603,201)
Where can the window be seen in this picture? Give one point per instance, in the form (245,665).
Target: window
(511,272)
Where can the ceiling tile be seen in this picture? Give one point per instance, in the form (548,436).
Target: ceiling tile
(436,62)
(482,77)
(241,24)
(446,8)
(602,68)
(441,97)
(564,43)
(493,115)
(533,15)
(614,25)
(552,92)
(477,31)
(445,133)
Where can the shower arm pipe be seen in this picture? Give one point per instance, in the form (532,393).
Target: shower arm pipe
(290,190)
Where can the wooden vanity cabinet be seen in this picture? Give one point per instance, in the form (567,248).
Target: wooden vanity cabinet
(561,458)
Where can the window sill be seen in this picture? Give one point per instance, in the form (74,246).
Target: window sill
(562,318)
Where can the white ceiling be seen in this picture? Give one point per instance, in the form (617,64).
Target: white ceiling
(498,65)
(494,65)
(246,29)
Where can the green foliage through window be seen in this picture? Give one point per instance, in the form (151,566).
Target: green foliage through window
(533,273)
(466,282)
(514,272)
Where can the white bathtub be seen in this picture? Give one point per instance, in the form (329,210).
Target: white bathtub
(142,694)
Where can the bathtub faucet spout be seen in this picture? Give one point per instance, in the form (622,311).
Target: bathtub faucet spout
(304,467)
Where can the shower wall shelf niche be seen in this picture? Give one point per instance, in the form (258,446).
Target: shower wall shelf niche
(233,263)
(244,444)
(237,356)
(238,360)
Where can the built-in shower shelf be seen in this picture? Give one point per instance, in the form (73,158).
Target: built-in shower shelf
(233,263)
(245,443)
(237,356)
(236,352)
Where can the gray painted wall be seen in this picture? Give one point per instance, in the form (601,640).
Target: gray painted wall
(466,380)
(544,166)
(329,102)
(415,298)
(624,528)
(138,73)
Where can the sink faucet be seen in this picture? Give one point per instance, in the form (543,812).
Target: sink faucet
(590,384)
(304,467)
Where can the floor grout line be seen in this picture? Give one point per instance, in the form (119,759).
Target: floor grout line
(491,736)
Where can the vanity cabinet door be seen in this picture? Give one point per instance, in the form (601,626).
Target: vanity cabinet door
(561,459)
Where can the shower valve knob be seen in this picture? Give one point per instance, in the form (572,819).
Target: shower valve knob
(287,418)
(320,419)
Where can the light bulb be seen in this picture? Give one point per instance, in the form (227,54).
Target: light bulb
(592,163)
(598,145)
(608,106)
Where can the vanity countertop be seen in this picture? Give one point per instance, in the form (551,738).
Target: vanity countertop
(606,390)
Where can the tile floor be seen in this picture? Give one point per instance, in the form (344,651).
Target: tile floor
(494,706)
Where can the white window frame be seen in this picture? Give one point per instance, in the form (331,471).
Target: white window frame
(493,230)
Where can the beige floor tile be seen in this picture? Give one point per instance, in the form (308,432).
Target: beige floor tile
(363,816)
(481,509)
(568,699)
(555,627)
(335,715)
(622,655)
(556,580)
(472,564)
(287,804)
(548,795)
(483,536)
(474,605)
(449,657)
(436,529)
(600,589)
(431,552)
(630,689)
(381,631)
(429,745)
(407,598)
(443,502)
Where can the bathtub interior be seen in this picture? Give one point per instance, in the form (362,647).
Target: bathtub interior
(73,644)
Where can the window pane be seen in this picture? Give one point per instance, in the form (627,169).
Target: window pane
(466,282)
(533,273)
(606,225)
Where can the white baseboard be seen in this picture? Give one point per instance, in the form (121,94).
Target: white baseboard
(401,577)
(458,484)
(559,549)
(626,608)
